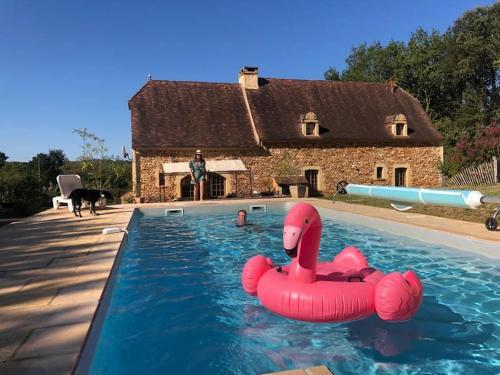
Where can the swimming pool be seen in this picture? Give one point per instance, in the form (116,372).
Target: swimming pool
(176,304)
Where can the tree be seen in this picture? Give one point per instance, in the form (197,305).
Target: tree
(455,75)
(332,74)
(476,37)
(425,71)
(98,169)
(3,158)
(92,157)
(373,63)
(47,167)
(17,183)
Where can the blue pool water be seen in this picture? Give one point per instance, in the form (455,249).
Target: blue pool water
(177,306)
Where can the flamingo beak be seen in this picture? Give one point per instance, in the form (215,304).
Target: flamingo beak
(291,237)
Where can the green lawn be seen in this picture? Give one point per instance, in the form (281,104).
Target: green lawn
(478,216)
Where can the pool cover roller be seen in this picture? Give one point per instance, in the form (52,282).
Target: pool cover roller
(450,198)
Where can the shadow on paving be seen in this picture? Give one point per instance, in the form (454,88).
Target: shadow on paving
(53,268)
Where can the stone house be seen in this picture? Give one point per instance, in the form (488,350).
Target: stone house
(261,128)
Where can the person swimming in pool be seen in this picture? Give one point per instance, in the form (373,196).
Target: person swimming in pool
(198,172)
(241,220)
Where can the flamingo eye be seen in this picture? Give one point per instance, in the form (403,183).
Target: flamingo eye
(306,220)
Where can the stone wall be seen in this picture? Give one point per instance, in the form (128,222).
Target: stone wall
(353,163)
(151,162)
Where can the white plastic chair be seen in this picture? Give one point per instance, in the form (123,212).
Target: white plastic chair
(67,183)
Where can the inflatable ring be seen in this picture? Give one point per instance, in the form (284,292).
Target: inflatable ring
(342,290)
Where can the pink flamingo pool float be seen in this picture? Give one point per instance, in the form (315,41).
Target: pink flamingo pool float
(338,291)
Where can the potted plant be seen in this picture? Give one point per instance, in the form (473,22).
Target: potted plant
(127,198)
(298,191)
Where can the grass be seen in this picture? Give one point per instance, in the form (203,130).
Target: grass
(478,216)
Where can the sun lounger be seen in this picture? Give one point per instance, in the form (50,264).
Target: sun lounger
(67,183)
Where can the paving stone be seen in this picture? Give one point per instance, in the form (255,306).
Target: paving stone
(26,300)
(79,312)
(96,263)
(63,339)
(288,372)
(11,285)
(10,340)
(12,321)
(318,370)
(24,263)
(58,266)
(85,291)
(47,365)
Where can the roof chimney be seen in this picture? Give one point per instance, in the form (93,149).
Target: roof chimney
(249,77)
(392,85)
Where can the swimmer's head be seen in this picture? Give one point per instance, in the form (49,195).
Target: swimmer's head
(242,218)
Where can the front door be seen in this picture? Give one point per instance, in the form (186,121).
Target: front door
(400,177)
(312,179)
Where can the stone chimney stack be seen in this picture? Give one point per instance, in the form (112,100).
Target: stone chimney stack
(392,85)
(249,77)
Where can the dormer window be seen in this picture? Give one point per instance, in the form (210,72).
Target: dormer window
(310,124)
(399,125)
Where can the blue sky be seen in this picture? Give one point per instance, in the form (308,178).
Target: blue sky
(74,64)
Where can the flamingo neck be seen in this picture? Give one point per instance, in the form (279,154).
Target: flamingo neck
(303,267)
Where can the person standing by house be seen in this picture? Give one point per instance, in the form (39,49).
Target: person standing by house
(198,171)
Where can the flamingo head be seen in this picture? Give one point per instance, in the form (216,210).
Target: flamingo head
(299,220)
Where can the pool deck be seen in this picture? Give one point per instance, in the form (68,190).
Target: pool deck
(54,267)
(53,270)
(438,225)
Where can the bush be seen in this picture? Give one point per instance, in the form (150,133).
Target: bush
(481,147)
(17,183)
(128,197)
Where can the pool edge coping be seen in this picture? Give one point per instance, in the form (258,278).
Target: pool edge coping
(86,352)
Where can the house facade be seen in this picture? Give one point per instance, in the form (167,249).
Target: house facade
(257,129)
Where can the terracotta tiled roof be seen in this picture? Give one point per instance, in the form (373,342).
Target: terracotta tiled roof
(347,111)
(190,114)
(198,115)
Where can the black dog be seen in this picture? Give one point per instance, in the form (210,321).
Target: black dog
(89,195)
